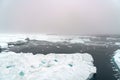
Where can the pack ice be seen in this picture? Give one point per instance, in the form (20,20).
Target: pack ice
(5,38)
(26,66)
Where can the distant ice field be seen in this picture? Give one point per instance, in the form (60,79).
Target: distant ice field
(5,38)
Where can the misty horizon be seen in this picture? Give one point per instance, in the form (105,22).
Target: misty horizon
(60,17)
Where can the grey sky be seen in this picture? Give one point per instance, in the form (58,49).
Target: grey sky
(60,16)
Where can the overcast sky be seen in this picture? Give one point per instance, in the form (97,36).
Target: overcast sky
(60,16)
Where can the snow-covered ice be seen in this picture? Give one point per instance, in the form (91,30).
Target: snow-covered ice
(116,58)
(3,45)
(117,43)
(77,40)
(26,66)
(116,62)
(5,38)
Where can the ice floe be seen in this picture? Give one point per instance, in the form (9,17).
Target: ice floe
(26,66)
(116,58)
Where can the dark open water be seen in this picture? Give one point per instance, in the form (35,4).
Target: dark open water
(102,58)
(101,55)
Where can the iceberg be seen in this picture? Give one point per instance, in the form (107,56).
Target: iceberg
(26,66)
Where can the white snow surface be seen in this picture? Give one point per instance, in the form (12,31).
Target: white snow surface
(26,66)
(116,58)
(5,38)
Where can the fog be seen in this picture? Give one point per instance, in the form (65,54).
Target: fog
(60,16)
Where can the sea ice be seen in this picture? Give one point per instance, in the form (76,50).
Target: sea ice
(116,58)
(26,66)
(117,43)
(5,38)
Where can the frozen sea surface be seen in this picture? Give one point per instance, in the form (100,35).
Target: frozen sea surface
(5,38)
(100,47)
(26,66)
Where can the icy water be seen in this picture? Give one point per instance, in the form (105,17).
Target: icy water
(102,58)
(101,55)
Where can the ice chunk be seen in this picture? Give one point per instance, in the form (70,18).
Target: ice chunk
(117,43)
(116,62)
(116,58)
(77,41)
(26,66)
(3,45)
